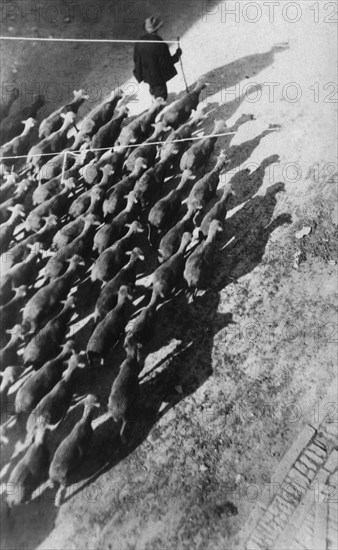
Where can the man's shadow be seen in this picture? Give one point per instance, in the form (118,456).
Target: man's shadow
(230,74)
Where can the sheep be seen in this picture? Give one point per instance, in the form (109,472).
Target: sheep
(179,111)
(7,189)
(125,390)
(11,127)
(115,157)
(166,277)
(98,116)
(115,230)
(53,406)
(126,276)
(53,122)
(113,258)
(54,166)
(87,202)
(170,243)
(90,174)
(8,353)
(19,145)
(69,232)
(200,260)
(39,383)
(72,449)
(107,178)
(6,209)
(149,185)
(10,312)
(7,228)
(57,205)
(46,191)
(162,213)
(46,343)
(218,211)
(172,148)
(205,188)
(147,118)
(29,471)
(108,331)
(81,245)
(141,330)
(46,300)
(147,150)
(17,253)
(199,153)
(136,131)
(107,134)
(37,155)
(116,199)
(22,273)
(9,377)
(6,105)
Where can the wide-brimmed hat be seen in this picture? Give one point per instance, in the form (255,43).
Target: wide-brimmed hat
(153,23)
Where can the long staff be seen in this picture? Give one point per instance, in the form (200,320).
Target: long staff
(185,80)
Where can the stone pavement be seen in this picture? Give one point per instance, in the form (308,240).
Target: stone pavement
(299,509)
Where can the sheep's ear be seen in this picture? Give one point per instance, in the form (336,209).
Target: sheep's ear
(128,253)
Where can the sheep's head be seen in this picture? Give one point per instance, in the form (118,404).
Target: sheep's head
(135,227)
(20,291)
(69,118)
(136,254)
(29,123)
(80,94)
(69,183)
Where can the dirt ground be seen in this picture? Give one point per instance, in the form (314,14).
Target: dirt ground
(238,373)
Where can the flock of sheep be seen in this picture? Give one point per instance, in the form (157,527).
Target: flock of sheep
(78,204)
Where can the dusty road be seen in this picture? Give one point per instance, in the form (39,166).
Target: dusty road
(259,348)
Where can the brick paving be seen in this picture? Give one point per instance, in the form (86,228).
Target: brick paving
(302,512)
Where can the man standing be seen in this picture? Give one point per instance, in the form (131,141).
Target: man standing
(153,62)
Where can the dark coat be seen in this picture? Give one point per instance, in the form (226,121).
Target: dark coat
(153,62)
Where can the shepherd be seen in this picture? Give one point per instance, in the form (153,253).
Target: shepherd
(153,62)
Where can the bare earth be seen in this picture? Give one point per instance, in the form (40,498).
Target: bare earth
(240,371)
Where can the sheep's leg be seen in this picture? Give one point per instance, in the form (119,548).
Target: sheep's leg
(59,494)
(123,438)
(8,510)
(49,484)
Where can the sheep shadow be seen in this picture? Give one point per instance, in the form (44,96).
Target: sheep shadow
(34,518)
(246,184)
(246,235)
